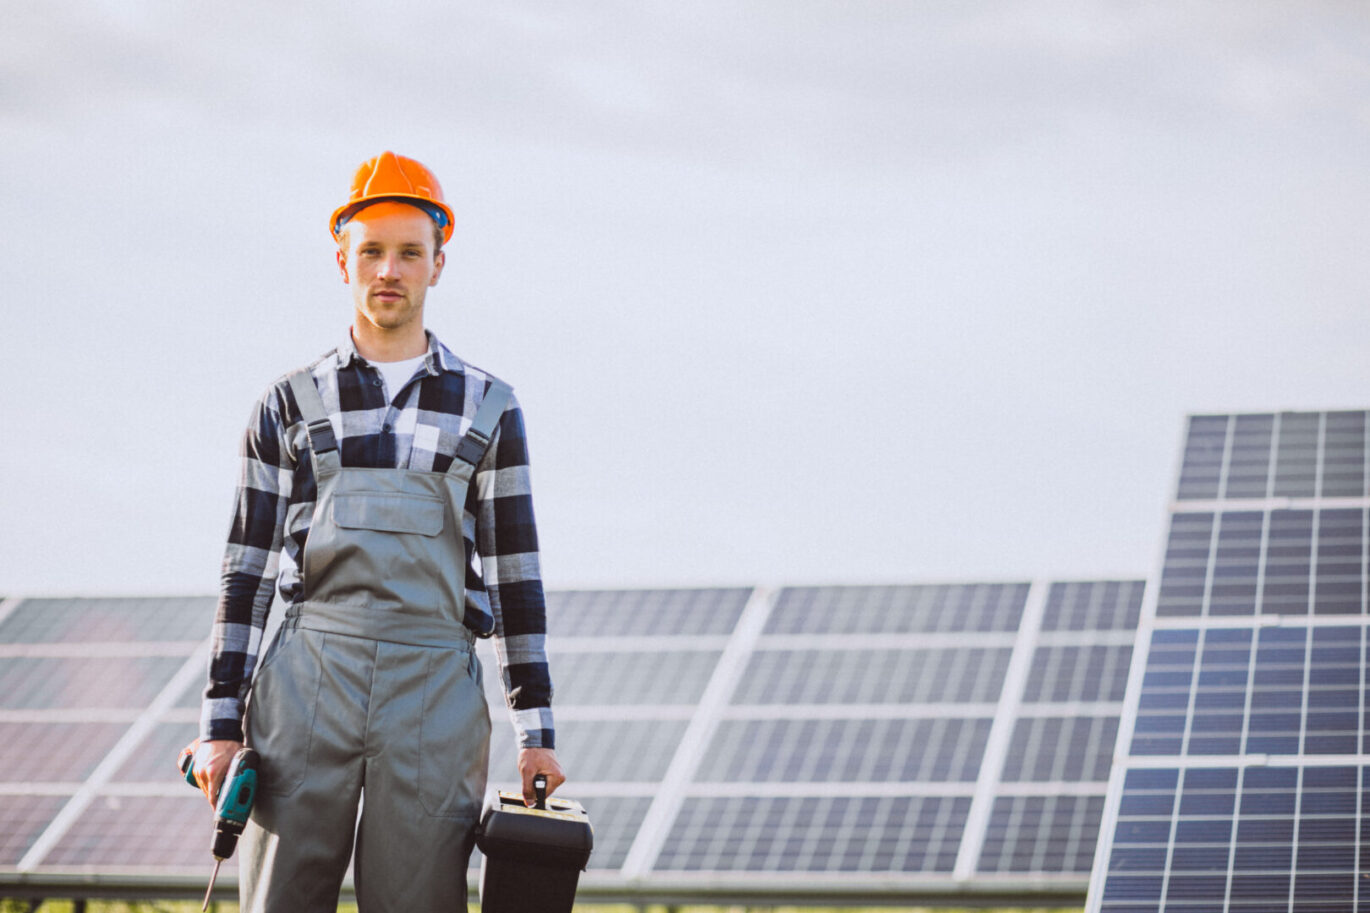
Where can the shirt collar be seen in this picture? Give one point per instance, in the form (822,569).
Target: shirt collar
(438,359)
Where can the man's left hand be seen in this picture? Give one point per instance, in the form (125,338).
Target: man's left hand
(534,761)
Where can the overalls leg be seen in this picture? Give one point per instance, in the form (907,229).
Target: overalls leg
(428,746)
(306,715)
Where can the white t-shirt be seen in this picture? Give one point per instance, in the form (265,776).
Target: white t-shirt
(397,373)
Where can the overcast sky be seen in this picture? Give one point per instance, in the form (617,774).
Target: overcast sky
(791,292)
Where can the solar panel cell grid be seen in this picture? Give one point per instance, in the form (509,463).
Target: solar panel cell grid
(616,822)
(619,613)
(25,818)
(1291,841)
(53,752)
(1112,605)
(112,620)
(830,834)
(1329,671)
(1236,563)
(619,750)
(897,609)
(1097,673)
(1340,584)
(137,831)
(793,723)
(1288,563)
(1185,572)
(1296,461)
(154,759)
(1061,749)
(1042,834)
(620,677)
(1295,543)
(846,750)
(28,683)
(1308,448)
(1203,457)
(1343,471)
(833,676)
(1248,467)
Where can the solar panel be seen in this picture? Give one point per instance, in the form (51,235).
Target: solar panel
(1242,752)
(941,737)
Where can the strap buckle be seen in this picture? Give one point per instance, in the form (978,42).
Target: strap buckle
(473,447)
(321,436)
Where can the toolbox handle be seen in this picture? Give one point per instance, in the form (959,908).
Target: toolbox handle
(540,789)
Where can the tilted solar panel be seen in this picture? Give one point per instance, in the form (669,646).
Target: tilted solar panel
(947,738)
(1243,751)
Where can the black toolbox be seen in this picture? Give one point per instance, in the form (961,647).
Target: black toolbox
(533,857)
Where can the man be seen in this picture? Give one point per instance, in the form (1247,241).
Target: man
(385,489)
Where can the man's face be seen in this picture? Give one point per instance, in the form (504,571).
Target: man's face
(390,264)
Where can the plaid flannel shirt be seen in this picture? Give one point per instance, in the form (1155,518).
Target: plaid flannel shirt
(419,430)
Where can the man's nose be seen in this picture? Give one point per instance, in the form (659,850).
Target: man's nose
(388,268)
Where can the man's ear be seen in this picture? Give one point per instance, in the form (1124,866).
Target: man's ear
(342,266)
(439,261)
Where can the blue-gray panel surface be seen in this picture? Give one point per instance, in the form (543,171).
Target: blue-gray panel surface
(604,751)
(1243,839)
(154,759)
(25,818)
(657,677)
(1312,454)
(847,750)
(1068,673)
(31,683)
(1077,749)
(866,676)
(1263,561)
(898,609)
(899,834)
(1241,787)
(54,752)
(115,620)
(1031,834)
(615,820)
(1105,605)
(620,613)
(1201,696)
(143,832)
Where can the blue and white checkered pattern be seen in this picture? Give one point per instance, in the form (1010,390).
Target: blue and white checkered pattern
(419,428)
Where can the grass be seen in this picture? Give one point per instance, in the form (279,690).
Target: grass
(13,905)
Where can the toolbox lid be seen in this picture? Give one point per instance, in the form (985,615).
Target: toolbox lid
(558,835)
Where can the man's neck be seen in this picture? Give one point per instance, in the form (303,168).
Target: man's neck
(382,346)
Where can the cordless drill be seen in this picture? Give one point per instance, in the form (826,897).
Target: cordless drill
(235,804)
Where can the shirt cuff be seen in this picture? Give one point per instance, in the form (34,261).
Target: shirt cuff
(221,719)
(534,728)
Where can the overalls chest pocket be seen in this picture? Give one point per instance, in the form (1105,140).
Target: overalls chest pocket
(388,512)
(388,549)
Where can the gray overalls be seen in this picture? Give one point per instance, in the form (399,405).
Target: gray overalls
(371,683)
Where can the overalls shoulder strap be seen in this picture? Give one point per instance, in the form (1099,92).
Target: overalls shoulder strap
(473,446)
(322,444)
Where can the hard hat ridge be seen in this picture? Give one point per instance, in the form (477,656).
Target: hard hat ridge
(394,177)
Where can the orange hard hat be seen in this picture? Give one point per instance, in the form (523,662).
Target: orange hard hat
(393,177)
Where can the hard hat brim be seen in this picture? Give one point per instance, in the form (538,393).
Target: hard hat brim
(435,210)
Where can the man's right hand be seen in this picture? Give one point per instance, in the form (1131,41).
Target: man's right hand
(211,765)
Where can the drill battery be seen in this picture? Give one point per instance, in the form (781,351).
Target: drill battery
(533,857)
